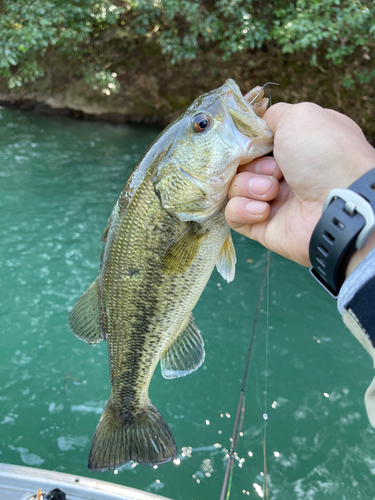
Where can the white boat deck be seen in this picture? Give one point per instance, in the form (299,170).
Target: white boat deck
(17,481)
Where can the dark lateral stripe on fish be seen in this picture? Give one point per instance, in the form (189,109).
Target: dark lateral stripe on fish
(153,269)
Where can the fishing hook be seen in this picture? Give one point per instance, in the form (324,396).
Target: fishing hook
(269,90)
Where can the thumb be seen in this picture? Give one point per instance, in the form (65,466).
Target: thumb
(275,114)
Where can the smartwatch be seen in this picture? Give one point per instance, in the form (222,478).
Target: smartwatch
(347,221)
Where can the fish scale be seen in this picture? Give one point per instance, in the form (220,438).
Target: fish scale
(145,259)
(164,236)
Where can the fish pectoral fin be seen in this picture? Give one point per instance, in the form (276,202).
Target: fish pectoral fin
(186,354)
(106,230)
(143,437)
(226,264)
(84,320)
(183,249)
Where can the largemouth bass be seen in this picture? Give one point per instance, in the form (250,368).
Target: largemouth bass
(164,237)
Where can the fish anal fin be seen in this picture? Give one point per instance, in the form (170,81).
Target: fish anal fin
(143,437)
(84,319)
(186,354)
(183,249)
(226,264)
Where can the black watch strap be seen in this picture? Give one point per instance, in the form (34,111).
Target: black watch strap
(347,221)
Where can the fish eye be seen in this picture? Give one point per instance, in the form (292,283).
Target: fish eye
(201,122)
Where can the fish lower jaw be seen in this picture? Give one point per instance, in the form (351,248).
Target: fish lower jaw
(256,150)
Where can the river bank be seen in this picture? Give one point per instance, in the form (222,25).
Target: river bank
(152,91)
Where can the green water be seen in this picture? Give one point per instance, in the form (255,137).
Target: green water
(59,180)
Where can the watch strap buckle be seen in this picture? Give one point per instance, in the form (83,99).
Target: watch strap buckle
(354,202)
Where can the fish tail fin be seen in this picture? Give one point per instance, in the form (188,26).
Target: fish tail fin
(143,437)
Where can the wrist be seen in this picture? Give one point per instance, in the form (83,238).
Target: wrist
(359,255)
(344,234)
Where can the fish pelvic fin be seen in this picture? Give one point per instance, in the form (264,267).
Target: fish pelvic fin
(226,264)
(84,319)
(186,354)
(143,437)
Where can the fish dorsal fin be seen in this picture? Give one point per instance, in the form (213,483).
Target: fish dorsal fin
(183,249)
(226,264)
(186,354)
(84,320)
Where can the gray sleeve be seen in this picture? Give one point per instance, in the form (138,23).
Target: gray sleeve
(364,272)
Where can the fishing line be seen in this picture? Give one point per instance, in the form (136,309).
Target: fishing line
(265,414)
(269,90)
(227,482)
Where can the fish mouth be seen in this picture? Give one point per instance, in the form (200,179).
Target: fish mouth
(246,113)
(233,97)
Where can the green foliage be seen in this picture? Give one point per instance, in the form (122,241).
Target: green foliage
(365,76)
(180,27)
(348,82)
(338,27)
(330,29)
(29,28)
(359,77)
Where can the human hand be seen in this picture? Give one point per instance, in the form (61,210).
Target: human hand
(315,150)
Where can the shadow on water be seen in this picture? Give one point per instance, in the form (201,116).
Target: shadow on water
(59,180)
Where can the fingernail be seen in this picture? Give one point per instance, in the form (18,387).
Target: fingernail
(255,207)
(260,185)
(266,166)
